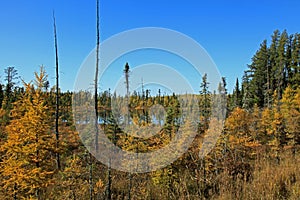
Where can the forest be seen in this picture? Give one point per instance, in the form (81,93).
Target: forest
(256,156)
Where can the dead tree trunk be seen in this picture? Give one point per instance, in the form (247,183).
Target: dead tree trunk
(57,95)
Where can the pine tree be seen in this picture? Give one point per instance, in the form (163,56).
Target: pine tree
(10,92)
(273,53)
(246,94)
(259,84)
(204,103)
(281,65)
(236,96)
(1,95)
(11,78)
(294,77)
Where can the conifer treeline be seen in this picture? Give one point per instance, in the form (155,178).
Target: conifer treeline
(273,68)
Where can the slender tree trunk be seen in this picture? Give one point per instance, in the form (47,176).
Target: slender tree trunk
(96,79)
(95,103)
(129,186)
(91,176)
(57,95)
(127,118)
(268,86)
(126,72)
(108,187)
(37,191)
(109,178)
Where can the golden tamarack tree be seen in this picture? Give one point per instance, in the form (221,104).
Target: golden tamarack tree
(27,165)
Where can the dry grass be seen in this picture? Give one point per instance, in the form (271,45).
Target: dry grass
(270,181)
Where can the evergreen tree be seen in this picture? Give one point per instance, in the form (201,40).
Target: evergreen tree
(259,84)
(273,54)
(246,94)
(236,96)
(204,103)
(294,77)
(11,77)
(280,68)
(1,95)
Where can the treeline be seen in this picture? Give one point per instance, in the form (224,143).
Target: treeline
(255,157)
(274,67)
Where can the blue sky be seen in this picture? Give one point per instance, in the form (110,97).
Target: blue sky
(229,30)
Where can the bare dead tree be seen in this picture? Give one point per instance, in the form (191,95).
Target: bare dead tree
(127,118)
(57,94)
(91,188)
(109,177)
(95,101)
(96,78)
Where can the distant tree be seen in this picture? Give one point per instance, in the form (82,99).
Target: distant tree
(1,95)
(126,73)
(11,76)
(222,105)
(246,92)
(235,99)
(66,108)
(127,118)
(204,103)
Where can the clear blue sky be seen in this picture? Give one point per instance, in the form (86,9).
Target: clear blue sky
(230,30)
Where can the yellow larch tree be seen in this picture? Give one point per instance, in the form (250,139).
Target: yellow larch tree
(241,136)
(290,107)
(27,165)
(276,128)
